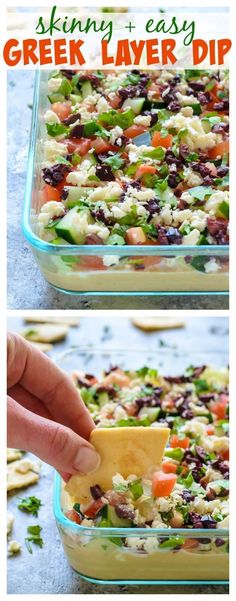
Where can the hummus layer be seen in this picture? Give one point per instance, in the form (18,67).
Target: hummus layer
(131,281)
(105,561)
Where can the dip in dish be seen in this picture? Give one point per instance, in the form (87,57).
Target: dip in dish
(172,525)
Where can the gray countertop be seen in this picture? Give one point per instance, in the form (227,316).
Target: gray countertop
(27,289)
(46,570)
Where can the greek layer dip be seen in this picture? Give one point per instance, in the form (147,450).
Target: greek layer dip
(136,158)
(191,488)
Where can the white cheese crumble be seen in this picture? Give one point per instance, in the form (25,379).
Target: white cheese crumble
(215,200)
(52,149)
(143,120)
(196,138)
(54,84)
(51,117)
(211,266)
(14,547)
(192,238)
(108,261)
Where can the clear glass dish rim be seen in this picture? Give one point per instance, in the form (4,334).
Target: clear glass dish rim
(76,249)
(64,521)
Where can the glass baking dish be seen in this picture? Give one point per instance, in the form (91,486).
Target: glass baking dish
(96,553)
(78,269)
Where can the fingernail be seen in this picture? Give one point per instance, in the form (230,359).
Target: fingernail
(87,460)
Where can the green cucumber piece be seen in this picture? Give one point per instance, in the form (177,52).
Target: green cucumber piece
(136,104)
(86,89)
(103,399)
(150,412)
(75,98)
(55,97)
(57,241)
(68,230)
(115,520)
(75,193)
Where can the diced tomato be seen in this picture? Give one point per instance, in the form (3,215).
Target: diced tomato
(224,455)
(50,193)
(101,145)
(134,130)
(118,377)
(81,145)
(219,149)
(62,109)
(131,409)
(168,467)
(135,235)
(91,262)
(115,101)
(210,430)
(145,169)
(94,507)
(190,543)
(155,88)
(219,409)
(72,515)
(159,140)
(163,484)
(176,442)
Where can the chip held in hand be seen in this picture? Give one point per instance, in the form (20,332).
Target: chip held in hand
(125,451)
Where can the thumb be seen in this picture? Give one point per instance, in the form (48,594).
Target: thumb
(54,443)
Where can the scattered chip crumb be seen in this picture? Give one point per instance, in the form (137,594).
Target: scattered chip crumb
(151,324)
(45,333)
(63,320)
(10,522)
(13,455)
(22,473)
(14,547)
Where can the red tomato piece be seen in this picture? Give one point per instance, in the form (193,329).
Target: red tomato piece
(168,467)
(159,140)
(163,484)
(72,515)
(176,442)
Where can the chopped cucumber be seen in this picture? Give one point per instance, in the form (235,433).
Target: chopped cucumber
(115,520)
(86,89)
(136,104)
(103,399)
(75,98)
(57,241)
(55,97)
(68,227)
(150,412)
(77,192)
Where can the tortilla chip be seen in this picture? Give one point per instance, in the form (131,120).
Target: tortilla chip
(45,333)
(13,455)
(21,479)
(63,320)
(126,451)
(150,324)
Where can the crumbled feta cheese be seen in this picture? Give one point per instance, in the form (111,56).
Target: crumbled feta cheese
(216,444)
(14,547)
(211,266)
(108,261)
(166,215)
(52,149)
(186,100)
(187,111)
(50,209)
(196,138)
(102,105)
(151,544)
(146,194)
(143,120)
(81,175)
(215,200)
(54,84)
(111,190)
(193,426)
(51,117)
(86,522)
(115,133)
(191,238)
(213,475)
(191,178)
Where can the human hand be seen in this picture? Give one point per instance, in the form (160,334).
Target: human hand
(45,412)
